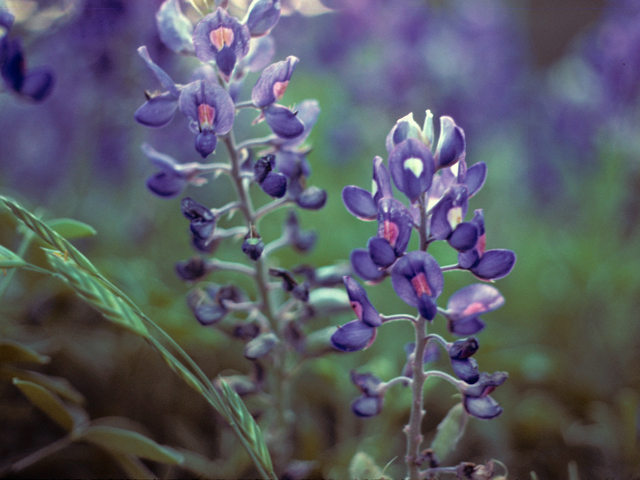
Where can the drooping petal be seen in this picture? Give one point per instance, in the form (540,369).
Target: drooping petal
(353,336)
(412,166)
(494,264)
(451,143)
(361,304)
(359,203)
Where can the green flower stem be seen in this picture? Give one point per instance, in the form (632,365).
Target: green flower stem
(272,207)
(256,142)
(279,376)
(413,429)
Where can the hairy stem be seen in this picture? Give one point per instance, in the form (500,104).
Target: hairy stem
(413,429)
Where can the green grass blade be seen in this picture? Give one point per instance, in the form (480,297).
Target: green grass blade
(98,294)
(46,233)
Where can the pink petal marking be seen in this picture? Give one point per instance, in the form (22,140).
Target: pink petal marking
(420,284)
(220,37)
(390,232)
(206,114)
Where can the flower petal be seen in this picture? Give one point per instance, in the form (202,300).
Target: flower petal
(353,336)
(494,264)
(359,203)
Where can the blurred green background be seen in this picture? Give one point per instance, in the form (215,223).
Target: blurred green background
(534,86)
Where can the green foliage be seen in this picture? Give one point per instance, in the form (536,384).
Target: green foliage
(363,467)
(128,442)
(450,431)
(81,275)
(48,402)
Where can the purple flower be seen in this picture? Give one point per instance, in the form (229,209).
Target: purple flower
(282,121)
(447,216)
(34,84)
(418,281)
(262,16)
(312,198)
(369,404)
(364,267)
(205,304)
(360,303)
(476,399)
(203,222)
(253,246)
(489,265)
(451,143)
(221,38)
(173,177)
(159,108)
(303,241)
(412,166)
(395,224)
(406,128)
(353,336)
(362,204)
(210,111)
(460,352)
(272,183)
(273,82)
(192,270)
(467,304)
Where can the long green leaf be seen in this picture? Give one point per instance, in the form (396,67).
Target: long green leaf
(60,386)
(71,229)
(450,431)
(48,402)
(14,352)
(127,441)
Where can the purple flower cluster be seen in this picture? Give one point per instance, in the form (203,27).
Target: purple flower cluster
(33,84)
(229,49)
(437,183)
